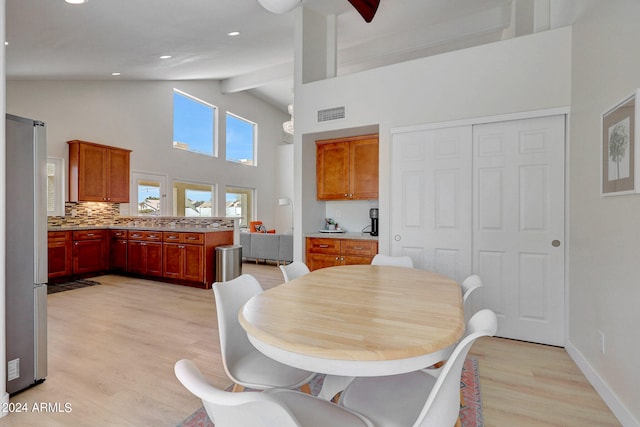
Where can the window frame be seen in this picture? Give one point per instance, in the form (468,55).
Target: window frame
(215,118)
(137,176)
(251,211)
(214,191)
(58,187)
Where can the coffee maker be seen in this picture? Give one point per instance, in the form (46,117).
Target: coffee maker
(373,214)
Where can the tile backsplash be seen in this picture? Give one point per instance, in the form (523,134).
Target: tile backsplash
(102,214)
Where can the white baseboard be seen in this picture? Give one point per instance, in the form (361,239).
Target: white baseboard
(602,388)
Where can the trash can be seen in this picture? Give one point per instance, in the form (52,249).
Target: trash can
(228,262)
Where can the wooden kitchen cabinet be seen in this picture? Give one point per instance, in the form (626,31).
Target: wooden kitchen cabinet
(60,254)
(90,251)
(118,251)
(329,252)
(184,256)
(98,173)
(144,253)
(347,168)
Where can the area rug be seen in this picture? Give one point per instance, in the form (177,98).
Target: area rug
(470,411)
(67,286)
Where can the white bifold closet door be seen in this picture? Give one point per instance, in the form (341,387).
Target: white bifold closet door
(488,199)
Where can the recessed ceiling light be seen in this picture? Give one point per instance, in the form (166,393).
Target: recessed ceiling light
(233,33)
(115,74)
(165,57)
(76,1)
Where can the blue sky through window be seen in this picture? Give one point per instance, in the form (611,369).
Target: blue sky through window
(240,140)
(193,124)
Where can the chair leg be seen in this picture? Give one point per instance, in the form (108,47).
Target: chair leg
(237,388)
(305,388)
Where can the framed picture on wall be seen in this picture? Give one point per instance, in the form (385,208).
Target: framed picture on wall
(620,149)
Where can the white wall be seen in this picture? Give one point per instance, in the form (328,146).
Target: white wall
(521,74)
(604,231)
(4,396)
(138,115)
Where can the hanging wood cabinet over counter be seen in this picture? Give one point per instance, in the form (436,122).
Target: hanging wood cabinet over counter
(347,168)
(98,173)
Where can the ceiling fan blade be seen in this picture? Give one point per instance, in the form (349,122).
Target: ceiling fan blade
(366,8)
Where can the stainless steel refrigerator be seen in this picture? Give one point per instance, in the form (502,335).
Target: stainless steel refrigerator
(26,253)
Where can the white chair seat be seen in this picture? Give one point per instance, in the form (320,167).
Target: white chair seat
(258,371)
(391,401)
(271,408)
(313,412)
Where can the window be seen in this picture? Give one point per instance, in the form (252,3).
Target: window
(55,186)
(149,191)
(241,140)
(193,199)
(194,124)
(239,204)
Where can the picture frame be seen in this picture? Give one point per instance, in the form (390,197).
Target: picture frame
(620,151)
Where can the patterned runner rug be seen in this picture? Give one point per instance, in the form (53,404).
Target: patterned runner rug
(470,412)
(67,286)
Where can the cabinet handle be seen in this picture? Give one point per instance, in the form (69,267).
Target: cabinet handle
(173,237)
(358,248)
(181,246)
(323,246)
(337,258)
(90,234)
(191,238)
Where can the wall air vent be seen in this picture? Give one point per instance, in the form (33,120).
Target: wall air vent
(331,114)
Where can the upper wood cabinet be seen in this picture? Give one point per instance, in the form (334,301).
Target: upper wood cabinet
(98,173)
(347,168)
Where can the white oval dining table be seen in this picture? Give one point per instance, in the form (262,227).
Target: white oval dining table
(357,320)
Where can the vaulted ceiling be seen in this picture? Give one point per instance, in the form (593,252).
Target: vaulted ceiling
(51,39)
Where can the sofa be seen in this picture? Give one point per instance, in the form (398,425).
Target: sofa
(267,246)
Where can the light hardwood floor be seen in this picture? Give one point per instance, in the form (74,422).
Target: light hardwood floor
(112,349)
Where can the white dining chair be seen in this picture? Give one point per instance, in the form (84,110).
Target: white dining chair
(398,261)
(469,285)
(293,270)
(271,408)
(418,399)
(245,365)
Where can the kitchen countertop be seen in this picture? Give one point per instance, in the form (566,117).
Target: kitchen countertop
(346,235)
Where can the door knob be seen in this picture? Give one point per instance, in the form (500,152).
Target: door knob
(555,243)
(397,237)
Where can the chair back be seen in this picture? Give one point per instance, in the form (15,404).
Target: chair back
(293,270)
(398,261)
(469,285)
(230,297)
(443,404)
(227,409)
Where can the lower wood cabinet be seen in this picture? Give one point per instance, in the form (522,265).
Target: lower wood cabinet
(90,251)
(144,253)
(118,253)
(186,258)
(329,252)
(60,254)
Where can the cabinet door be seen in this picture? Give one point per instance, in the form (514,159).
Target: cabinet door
(59,258)
(118,176)
(356,260)
(154,258)
(173,260)
(136,258)
(92,179)
(316,261)
(193,262)
(363,169)
(89,256)
(118,256)
(332,170)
